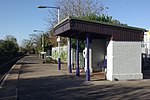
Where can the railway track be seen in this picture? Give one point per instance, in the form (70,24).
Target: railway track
(4,69)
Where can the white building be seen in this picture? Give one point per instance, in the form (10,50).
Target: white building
(146,43)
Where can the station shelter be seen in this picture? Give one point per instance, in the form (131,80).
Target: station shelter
(120,45)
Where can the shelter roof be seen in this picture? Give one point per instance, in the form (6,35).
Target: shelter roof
(72,26)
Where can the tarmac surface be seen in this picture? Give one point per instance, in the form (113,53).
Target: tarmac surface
(30,79)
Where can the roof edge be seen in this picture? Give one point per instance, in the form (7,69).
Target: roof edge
(67,18)
(123,26)
(93,21)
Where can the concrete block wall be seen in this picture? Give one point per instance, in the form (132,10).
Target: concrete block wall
(124,60)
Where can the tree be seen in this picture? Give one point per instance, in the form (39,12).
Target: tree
(35,42)
(2,48)
(79,8)
(75,8)
(102,18)
(8,49)
(10,38)
(53,38)
(86,9)
(9,46)
(26,46)
(32,45)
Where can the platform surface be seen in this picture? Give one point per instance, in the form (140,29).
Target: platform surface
(30,79)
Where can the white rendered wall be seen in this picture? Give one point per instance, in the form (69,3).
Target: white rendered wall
(98,47)
(124,60)
(110,61)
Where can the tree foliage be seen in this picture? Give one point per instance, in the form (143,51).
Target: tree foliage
(33,44)
(10,38)
(86,9)
(8,46)
(79,8)
(102,18)
(76,8)
(36,43)
(53,38)
(8,49)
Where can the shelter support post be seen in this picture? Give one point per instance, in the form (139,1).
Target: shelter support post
(77,57)
(69,56)
(87,58)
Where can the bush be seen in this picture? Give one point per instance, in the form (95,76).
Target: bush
(50,60)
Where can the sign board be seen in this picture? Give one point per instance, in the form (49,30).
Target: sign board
(43,52)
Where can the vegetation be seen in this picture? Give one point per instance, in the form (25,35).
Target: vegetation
(79,8)
(33,44)
(102,18)
(76,8)
(8,48)
(86,9)
(36,43)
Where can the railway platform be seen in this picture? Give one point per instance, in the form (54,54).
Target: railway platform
(30,79)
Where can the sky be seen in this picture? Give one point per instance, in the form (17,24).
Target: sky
(20,17)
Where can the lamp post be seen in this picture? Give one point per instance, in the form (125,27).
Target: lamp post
(38,31)
(43,38)
(58,8)
(42,42)
(58,38)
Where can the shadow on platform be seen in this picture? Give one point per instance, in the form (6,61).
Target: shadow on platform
(69,87)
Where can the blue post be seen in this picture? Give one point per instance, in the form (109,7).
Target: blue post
(69,56)
(59,64)
(59,60)
(87,70)
(77,57)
